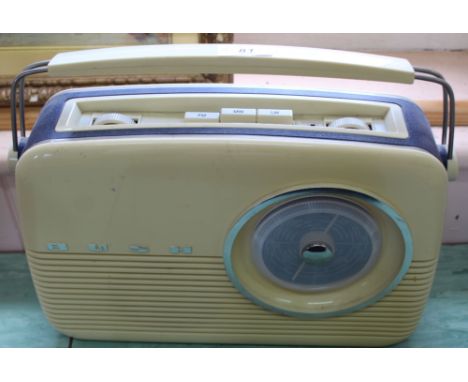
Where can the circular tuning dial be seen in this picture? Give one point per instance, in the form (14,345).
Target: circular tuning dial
(316,244)
(114,119)
(318,252)
(350,123)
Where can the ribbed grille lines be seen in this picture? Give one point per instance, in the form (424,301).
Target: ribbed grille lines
(159,295)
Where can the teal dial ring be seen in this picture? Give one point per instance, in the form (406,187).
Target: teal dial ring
(383,207)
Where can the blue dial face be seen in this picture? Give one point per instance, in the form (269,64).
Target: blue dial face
(316,243)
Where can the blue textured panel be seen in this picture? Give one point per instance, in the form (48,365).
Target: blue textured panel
(420,134)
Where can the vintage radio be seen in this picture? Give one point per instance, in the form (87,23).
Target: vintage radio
(226,214)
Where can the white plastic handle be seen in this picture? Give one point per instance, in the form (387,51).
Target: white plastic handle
(231,58)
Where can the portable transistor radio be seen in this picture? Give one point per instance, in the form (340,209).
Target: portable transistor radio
(227,214)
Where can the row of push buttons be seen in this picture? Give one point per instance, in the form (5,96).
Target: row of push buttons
(281,116)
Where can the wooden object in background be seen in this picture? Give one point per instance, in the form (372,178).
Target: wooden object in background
(40,88)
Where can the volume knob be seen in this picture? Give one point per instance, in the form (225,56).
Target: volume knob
(350,123)
(114,119)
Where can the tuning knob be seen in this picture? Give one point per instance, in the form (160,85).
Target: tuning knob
(350,123)
(114,119)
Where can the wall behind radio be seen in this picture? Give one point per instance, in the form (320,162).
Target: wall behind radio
(361,41)
(446,53)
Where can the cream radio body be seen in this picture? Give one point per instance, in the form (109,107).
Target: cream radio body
(232,215)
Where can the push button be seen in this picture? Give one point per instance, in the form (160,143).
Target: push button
(275,116)
(238,115)
(201,116)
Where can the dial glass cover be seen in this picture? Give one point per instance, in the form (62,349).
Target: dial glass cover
(316,243)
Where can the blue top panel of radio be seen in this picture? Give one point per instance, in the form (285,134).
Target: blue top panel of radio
(419,131)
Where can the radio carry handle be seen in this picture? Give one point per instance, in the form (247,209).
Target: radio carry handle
(233,58)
